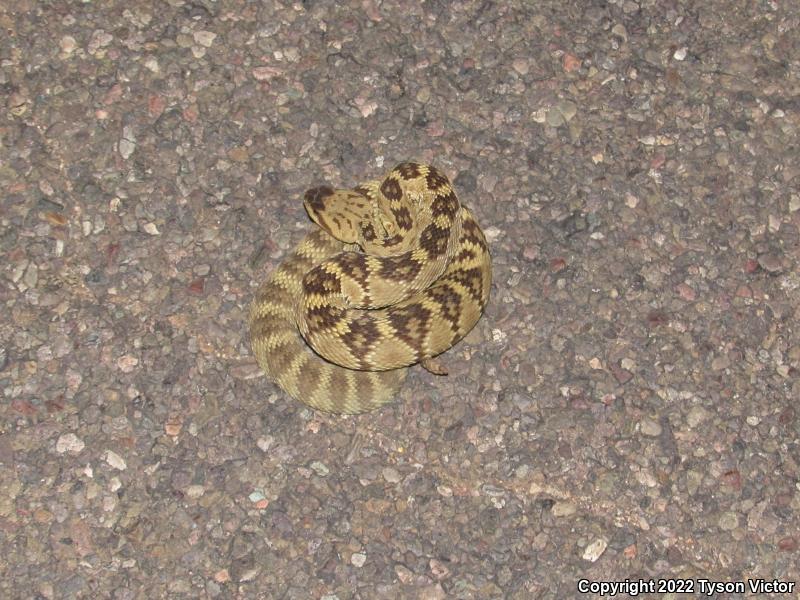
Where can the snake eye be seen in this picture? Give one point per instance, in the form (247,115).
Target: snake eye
(367,231)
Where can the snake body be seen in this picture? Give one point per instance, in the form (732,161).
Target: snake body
(398,272)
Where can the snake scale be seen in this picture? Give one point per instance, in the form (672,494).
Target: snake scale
(397,272)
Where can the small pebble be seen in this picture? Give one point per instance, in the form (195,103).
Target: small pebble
(391,475)
(68,44)
(718,363)
(595,550)
(195,491)
(358,559)
(115,460)
(521,65)
(126,148)
(492,234)
(205,38)
(686,292)
(563,509)
(320,468)
(127,363)
(222,576)
(265,73)
(265,443)
(404,575)
(771,263)
(728,521)
(649,428)
(69,442)
(696,416)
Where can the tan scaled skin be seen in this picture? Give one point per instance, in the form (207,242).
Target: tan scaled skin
(420,284)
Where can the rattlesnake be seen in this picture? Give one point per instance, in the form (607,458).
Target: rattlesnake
(397,273)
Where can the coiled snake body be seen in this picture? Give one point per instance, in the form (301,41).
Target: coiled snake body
(398,272)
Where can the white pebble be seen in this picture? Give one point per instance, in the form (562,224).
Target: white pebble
(126,148)
(127,363)
(358,559)
(563,509)
(595,550)
(492,233)
(195,491)
(115,460)
(205,38)
(265,443)
(69,442)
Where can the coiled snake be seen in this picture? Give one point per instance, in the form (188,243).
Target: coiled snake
(397,273)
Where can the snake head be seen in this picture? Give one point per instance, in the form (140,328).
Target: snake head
(339,212)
